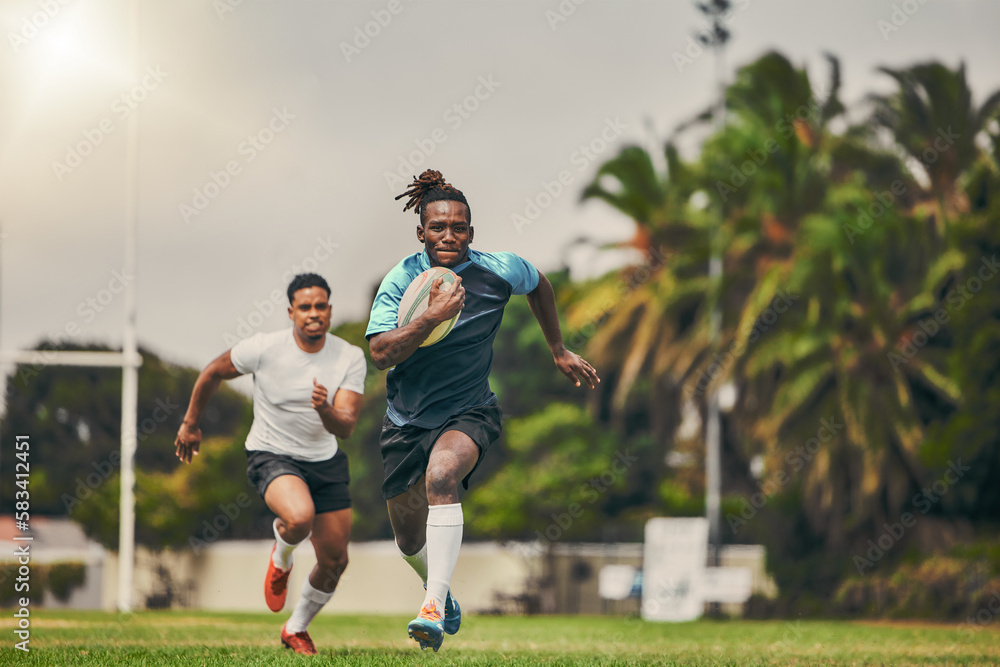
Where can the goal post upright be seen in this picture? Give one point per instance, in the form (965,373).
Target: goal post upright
(128,359)
(130,367)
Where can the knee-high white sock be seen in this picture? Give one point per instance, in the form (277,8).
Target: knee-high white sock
(444,540)
(417,561)
(310,602)
(282,557)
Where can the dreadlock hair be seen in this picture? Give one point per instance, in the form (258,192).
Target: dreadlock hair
(429,187)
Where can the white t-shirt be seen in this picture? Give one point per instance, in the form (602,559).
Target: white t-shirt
(284,421)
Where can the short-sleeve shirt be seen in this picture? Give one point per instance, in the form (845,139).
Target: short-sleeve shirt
(284,421)
(451,376)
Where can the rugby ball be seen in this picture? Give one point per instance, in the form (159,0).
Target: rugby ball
(417,297)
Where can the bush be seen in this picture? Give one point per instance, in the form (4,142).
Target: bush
(59,578)
(938,587)
(9,584)
(64,578)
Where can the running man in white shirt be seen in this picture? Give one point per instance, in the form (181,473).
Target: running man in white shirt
(307,387)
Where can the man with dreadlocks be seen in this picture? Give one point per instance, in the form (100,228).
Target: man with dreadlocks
(442,415)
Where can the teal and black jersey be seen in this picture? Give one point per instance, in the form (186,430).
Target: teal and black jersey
(447,378)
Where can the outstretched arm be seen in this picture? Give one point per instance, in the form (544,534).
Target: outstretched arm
(188,438)
(393,347)
(542,301)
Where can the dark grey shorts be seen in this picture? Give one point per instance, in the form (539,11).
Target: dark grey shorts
(327,480)
(406,449)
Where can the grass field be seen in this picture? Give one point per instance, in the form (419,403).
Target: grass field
(184,638)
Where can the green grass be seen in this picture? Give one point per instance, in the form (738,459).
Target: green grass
(200,638)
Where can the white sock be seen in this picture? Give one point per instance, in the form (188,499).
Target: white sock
(417,561)
(444,540)
(310,602)
(282,557)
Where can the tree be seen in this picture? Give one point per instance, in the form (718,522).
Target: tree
(835,225)
(872,343)
(829,376)
(754,183)
(555,459)
(935,124)
(632,320)
(73,415)
(969,434)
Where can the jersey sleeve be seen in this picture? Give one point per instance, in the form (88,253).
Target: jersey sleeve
(354,380)
(385,309)
(246,353)
(516,270)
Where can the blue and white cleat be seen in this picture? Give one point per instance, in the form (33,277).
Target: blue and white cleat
(452,615)
(427,628)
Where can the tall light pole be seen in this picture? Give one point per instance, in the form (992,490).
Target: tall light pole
(716,37)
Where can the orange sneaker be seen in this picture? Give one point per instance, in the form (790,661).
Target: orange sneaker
(275,584)
(427,628)
(300,642)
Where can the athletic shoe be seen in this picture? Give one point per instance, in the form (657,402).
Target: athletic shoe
(300,642)
(275,584)
(427,628)
(452,614)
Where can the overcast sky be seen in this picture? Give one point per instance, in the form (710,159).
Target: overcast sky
(314,120)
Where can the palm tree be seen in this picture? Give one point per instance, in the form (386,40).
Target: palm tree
(767,171)
(641,312)
(794,219)
(660,331)
(933,121)
(657,337)
(871,302)
(831,359)
(786,188)
(970,433)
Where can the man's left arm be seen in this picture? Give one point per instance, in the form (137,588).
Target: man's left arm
(341,416)
(542,301)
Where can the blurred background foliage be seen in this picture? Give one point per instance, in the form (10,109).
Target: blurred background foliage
(860,251)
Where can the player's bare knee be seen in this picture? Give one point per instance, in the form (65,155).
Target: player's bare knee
(410,533)
(297,525)
(411,544)
(333,563)
(327,577)
(442,486)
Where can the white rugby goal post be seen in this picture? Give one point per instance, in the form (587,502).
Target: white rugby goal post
(128,359)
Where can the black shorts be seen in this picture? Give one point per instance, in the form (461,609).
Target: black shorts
(405,449)
(327,480)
